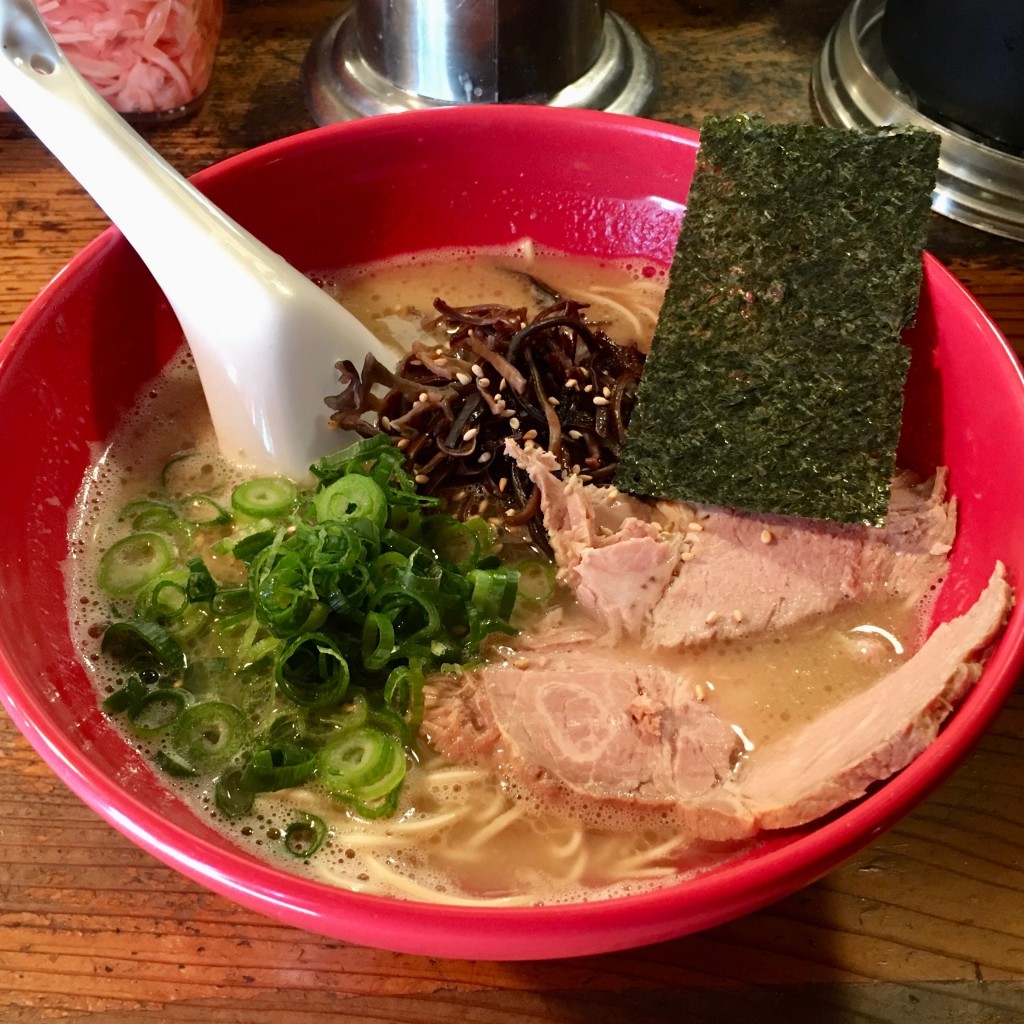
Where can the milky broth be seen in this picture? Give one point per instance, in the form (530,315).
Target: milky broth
(458,835)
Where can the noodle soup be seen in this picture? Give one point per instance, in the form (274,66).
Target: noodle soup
(460,833)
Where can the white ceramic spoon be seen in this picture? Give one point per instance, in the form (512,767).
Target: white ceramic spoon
(265,338)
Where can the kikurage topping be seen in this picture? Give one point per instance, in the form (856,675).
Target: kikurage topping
(489,374)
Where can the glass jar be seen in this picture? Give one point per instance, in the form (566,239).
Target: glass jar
(151,60)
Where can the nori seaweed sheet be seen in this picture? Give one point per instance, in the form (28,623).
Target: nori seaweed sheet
(775,380)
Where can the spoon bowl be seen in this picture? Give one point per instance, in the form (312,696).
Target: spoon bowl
(264,337)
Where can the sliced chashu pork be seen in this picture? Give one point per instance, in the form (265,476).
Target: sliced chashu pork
(679,574)
(571,720)
(869,737)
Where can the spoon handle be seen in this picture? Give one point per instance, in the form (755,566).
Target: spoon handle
(264,338)
(160,213)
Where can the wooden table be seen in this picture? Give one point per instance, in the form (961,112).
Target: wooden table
(927,924)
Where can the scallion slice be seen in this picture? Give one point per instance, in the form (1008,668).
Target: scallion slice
(203,510)
(278,767)
(131,562)
(363,765)
(536,579)
(268,497)
(144,645)
(157,710)
(304,836)
(209,734)
(352,496)
(311,671)
(232,798)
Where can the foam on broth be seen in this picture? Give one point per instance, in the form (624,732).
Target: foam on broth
(459,836)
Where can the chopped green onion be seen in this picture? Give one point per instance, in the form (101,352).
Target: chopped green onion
(269,496)
(131,562)
(311,671)
(280,767)
(174,765)
(157,710)
(144,645)
(536,579)
(209,734)
(494,591)
(149,514)
(202,510)
(200,585)
(378,640)
(403,693)
(165,597)
(352,497)
(453,541)
(127,696)
(303,837)
(190,472)
(363,765)
(232,798)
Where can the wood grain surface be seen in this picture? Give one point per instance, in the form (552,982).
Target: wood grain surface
(926,924)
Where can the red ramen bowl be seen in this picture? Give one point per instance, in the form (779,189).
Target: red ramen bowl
(583,182)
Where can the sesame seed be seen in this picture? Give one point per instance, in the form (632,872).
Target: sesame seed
(737,615)
(612,493)
(607,392)
(463,378)
(503,384)
(470,434)
(766,537)
(686,556)
(483,382)
(599,400)
(422,478)
(514,423)
(484,457)
(530,435)
(552,400)
(423,396)
(478,370)
(510,512)
(576,468)
(502,484)
(572,382)
(588,388)
(712,618)
(575,435)
(586,478)
(403,442)
(521,663)
(698,691)
(385,423)
(695,527)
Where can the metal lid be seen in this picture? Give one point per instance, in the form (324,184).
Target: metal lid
(410,57)
(853,87)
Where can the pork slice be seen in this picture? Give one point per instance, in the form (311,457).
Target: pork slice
(866,739)
(748,573)
(617,561)
(684,574)
(585,727)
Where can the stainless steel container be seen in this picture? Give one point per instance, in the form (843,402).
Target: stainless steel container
(389,55)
